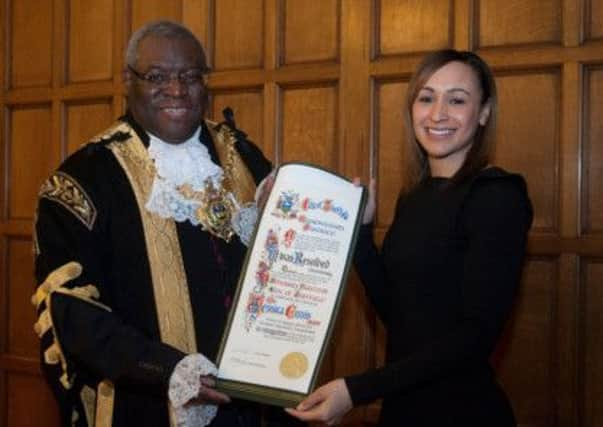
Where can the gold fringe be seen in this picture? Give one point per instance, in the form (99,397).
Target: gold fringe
(88,398)
(43,324)
(55,280)
(105,400)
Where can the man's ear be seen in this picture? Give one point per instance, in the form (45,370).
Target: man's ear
(126,75)
(484,114)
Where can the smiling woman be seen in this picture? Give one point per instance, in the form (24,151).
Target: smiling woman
(451,109)
(448,271)
(446,114)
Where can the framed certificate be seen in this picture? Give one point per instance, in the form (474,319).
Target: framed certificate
(291,285)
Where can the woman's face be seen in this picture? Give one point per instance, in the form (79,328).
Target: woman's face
(446,114)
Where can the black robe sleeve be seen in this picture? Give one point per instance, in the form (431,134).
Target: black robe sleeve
(71,226)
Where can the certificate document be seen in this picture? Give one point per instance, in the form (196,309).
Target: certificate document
(291,286)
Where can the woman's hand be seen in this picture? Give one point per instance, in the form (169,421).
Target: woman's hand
(371,204)
(328,404)
(263,190)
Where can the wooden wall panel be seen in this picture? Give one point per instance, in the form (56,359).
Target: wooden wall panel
(568,399)
(239,45)
(390,152)
(513,22)
(32,156)
(592,374)
(22,341)
(309,127)
(30,51)
(532,327)
(310,34)
(197,17)
(407,26)
(593,152)
(85,119)
(144,11)
(528,138)
(248,112)
(594,19)
(324,81)
(90,56)
(30,403)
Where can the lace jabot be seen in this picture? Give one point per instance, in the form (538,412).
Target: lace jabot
(186,168)
(187,163)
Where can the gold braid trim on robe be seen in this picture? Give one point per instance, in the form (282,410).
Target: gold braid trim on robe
(238,178)
(170,289)
(174,312)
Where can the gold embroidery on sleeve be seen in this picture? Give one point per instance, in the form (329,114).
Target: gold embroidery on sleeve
(63,189)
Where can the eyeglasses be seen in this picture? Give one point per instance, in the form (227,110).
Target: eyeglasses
(161,79)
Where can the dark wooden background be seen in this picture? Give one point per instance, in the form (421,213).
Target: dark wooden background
(323,81)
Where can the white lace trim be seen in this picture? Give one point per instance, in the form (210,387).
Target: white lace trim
(185,384)
(167,202)
(176,165)
(186,163)
(189,163)
(243,222)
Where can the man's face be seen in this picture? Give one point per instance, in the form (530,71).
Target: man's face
(170,110)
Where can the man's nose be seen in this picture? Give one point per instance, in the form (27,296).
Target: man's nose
(175,86)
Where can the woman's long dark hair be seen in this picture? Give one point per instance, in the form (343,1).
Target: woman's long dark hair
(416,167)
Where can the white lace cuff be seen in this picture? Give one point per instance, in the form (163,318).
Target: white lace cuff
(243,222)
(185,384)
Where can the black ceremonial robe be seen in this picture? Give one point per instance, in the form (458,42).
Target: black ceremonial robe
(124,294)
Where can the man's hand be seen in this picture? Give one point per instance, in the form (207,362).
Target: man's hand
(328,404)
(208,394)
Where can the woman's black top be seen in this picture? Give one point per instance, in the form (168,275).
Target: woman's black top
(444,284)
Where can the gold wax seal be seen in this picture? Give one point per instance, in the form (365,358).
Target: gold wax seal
(293,365)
